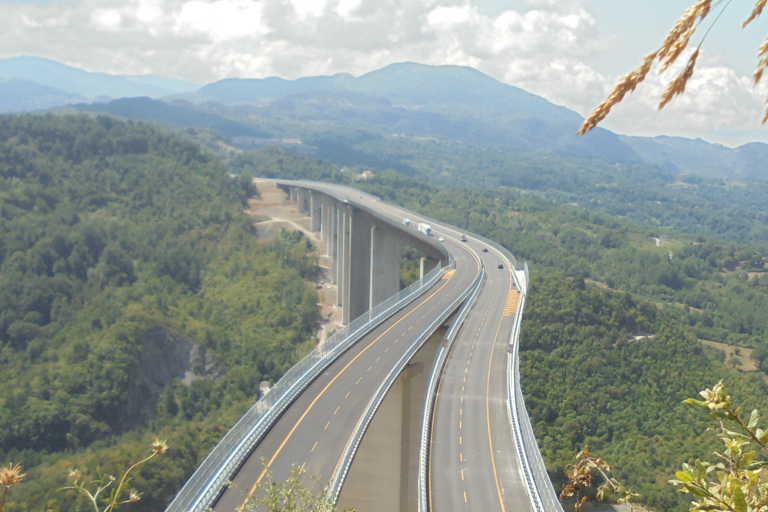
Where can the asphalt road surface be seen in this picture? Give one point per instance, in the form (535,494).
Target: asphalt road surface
(473,462)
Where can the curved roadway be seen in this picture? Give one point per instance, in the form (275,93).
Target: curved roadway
(314,431)
(473,461)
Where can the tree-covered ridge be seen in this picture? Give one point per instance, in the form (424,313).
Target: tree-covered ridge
(118,241)
(588,381)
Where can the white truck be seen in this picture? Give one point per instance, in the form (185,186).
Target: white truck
(425,228)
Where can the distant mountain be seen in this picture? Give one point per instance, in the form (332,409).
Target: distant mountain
(26,96)
(414,100)
(89,85)
(449,101)
(699,157)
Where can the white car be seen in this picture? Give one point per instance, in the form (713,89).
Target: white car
(441,239)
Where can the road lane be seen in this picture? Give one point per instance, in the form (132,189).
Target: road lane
(473,462)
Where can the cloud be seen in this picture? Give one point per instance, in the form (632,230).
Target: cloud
(542,50)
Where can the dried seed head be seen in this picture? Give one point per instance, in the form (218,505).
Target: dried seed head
(134,496)
(11,475)
(765,117)
(759,6)
(75,474)
(677,86)
(671,49)
(159,447)
(626,85)
(762,64)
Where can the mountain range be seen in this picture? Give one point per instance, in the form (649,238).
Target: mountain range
(407,99)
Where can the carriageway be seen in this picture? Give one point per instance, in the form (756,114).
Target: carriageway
(474,454)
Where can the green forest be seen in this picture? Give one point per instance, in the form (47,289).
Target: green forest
(116,241)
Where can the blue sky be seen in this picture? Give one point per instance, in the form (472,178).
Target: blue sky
(569,51)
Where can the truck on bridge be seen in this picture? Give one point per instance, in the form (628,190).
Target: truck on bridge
(425,228)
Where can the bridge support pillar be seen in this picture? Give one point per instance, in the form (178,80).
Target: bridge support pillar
(358,286)
(385,265)
(302,195)
(292,194)
(315,210)
(425,265)
(326,223)
(343,216)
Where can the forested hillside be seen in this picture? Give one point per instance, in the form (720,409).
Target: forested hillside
(124,250)
(585,377)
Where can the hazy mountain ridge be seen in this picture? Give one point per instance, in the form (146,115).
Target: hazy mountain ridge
(88,84)
(450,102)
(699,157)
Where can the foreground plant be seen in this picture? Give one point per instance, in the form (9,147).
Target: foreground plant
(119,495)
(582,475)
(290,496)
(737,482)
(673,47)
(9,477)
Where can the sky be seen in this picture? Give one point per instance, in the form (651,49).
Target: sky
(571,52)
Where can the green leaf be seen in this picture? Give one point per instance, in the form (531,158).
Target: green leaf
(698,491)
(753,419)
(697,403)
(739,502)
(701,471)
(756,465)
(683,476)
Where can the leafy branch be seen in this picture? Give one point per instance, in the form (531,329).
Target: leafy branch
(582,474)
(735,483)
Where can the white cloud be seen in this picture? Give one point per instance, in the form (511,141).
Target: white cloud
(542,50)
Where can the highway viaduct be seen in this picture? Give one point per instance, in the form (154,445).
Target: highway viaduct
(474,459)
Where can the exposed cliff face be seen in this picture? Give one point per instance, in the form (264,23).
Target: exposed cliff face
(166,355)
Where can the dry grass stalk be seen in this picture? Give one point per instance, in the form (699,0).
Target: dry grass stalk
(673,47)
(759,6)
(677,86)
(9,477)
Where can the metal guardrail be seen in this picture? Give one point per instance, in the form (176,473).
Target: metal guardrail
(422,486)
(345,461)
(206,483)
(541,493)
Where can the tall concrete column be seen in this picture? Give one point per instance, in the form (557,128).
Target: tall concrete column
(341,254)
(315,209)
(359,266)
(346,263)
(293,194)
(425,265)
(385,265)
(302,195)
(328,216)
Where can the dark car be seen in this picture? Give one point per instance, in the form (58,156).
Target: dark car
(485,249)
(500,266)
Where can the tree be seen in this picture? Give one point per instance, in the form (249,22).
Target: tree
(671,49)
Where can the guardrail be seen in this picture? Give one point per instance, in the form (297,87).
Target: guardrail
(206,483)
(541,493)
(422,486)
(345,461)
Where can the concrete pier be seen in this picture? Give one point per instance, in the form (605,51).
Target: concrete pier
(364,250)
